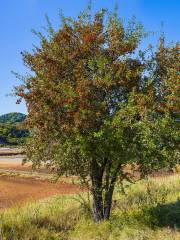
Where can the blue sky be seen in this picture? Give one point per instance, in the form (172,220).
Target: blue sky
(18,17)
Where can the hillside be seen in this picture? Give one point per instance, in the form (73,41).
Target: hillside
(13,117)
(12,132)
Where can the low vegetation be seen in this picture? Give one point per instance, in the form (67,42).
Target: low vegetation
(150,209)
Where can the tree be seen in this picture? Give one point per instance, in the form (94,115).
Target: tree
(96,104)
(12,134)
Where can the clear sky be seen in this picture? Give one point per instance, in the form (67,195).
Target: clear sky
(18,17)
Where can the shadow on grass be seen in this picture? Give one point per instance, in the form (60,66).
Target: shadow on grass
(157,215)
(165,215)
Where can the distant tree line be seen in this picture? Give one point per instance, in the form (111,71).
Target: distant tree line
(12,131)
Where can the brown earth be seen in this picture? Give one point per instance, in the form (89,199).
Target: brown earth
(15,190)
(18,189)
(15,164)
(8,164)
(11,151)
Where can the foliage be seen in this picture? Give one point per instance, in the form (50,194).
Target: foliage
(134,216)
(96,104)
(12,117)
(12,134)
(12,131)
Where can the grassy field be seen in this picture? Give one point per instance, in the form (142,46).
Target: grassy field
(150,210)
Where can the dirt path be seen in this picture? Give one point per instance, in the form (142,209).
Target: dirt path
(15,190)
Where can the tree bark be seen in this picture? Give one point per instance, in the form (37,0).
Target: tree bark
(96,190)
(97,206)
(102,206)
(108,203)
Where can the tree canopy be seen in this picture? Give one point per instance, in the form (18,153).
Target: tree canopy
(97,103)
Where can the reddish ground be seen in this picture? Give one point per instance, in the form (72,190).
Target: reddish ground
(7,163)
(15,190)
(13,165)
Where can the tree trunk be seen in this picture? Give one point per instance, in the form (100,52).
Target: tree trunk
(108,202)
(96,190)
(101,209)
(102,206)
(97,206)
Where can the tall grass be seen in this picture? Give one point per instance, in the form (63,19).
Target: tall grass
(150,210)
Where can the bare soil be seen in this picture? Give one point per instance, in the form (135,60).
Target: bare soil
(18,190)
(15,190)
(11,151)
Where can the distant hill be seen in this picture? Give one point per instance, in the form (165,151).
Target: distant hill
(13,118)
(12,131)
